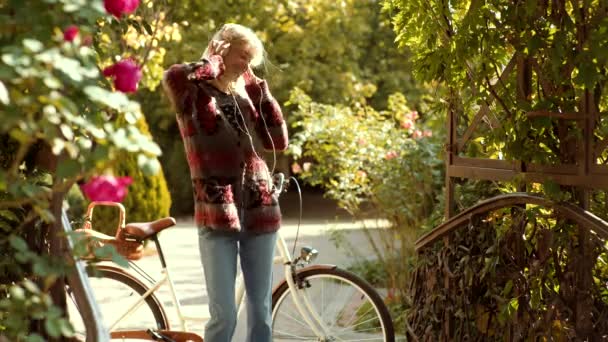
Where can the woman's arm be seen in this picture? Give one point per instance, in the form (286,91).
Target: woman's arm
(179,80)
(270,125)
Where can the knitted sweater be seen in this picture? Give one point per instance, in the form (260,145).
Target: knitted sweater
(223,135)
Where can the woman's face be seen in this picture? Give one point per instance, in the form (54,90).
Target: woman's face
(237,59)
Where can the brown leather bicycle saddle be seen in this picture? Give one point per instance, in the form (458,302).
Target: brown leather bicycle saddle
(144,230)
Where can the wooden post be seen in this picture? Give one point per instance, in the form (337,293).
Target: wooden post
(451,149)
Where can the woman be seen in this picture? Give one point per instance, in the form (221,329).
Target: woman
(227,116)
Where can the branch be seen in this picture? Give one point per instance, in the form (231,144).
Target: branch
(21,152)
(150,43)
(502,104)
(564,116)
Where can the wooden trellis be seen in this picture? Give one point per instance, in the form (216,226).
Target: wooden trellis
(580,168)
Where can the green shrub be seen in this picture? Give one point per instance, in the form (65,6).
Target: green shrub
(382,164)
(179,180)
(76,203)
(148,198)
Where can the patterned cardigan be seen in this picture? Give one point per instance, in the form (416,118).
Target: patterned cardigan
(232,185)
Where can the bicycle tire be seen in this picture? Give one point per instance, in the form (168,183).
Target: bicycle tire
(152,307)
(286,327)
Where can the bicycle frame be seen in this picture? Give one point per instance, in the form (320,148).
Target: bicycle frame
(301,301)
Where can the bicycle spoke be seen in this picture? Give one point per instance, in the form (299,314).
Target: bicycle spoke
(303,324)
(365,339)
(282,335)
(354,316)
(347,312)
(117,294)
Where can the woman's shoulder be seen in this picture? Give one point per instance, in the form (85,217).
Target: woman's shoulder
(175,79)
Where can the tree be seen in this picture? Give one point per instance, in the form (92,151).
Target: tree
(534,74)
(337,52)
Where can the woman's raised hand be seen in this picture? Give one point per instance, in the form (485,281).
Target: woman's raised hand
(218,47)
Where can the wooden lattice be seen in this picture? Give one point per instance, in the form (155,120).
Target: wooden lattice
(580,166)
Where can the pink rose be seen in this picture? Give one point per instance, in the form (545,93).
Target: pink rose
(70,33)
(295,168)
(390,155)
(106,188)
(126,75)
(427,133)
(87,41)
(119,7)
(417,134)
(407,124)
(413,115)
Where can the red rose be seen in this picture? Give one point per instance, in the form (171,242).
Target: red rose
(70,33)
(126,75)
(106,188)
(119,7)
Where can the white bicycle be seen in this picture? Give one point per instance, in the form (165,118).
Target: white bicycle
(312,302)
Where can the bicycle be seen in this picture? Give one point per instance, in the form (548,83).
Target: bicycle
(312,302)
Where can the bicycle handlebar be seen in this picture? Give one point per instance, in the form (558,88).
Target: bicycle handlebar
(279,181)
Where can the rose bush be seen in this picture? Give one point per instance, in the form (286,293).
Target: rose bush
(62,122)
(375,164)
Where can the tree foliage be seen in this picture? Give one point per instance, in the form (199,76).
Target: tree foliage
(557,54)
(337,52)
(334,51)
(468,44)
(514,273)
(148,198)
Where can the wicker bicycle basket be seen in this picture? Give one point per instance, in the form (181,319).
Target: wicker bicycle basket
(128,248)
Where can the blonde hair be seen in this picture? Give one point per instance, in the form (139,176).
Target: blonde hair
(234,34)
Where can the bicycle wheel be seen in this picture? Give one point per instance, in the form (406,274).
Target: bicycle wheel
(116,292)
(349,308)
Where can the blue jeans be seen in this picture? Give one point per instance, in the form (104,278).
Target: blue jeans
(218,254)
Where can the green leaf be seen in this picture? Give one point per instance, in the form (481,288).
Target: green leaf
(67,131)
(33,45)
(115,100)
(507,289)
(41,268)
(552,190)
(52,327)
(6,227)
(587,74)
(68,168)
(52,82)
(66,328)
(4,98)
(148,28)
(18,243)
(34,338)
(17,292)
(31,286)
(119,259)
(104,251)
(149,166)
(9,215)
